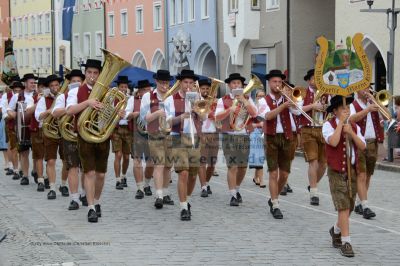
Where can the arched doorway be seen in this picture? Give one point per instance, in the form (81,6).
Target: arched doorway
(158,61)
(378,64)
(138,60)
(206,61)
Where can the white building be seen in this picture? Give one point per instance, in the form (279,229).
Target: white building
(349,20)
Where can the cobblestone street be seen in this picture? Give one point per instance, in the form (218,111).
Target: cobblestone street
(133,232)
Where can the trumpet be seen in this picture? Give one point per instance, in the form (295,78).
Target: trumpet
(294,98)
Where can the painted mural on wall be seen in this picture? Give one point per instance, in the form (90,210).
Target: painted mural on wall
(182,50)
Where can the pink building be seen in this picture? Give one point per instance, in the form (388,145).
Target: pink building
(135,31)
(4,27)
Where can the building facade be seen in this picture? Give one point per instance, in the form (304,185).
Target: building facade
(192,36)
(349,20)
(31,30)
(4,28)
(62,32)
(87,31)
(257,36)
(135,31)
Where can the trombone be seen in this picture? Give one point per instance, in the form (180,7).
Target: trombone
(294,98)
(381,99)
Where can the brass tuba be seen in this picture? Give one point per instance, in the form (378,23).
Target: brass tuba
(238,120)
(203,107)
(96,126)
(50,124)
(165,127)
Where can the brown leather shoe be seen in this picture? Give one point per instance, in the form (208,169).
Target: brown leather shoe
(336,238)
(347,250)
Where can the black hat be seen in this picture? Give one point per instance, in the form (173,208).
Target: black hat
(29,76)
(336,101)
(204,82)
(309,74)
(41,81)
(15,78)
(75,73)
(187,74)
(123,79)
(144,83)
(163,75)
(93,63)
(275,73)
(16,84)
(235,76)
(52,78)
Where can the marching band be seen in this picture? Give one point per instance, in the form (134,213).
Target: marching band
(180,126)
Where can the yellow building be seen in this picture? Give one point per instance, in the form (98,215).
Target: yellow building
(31,30)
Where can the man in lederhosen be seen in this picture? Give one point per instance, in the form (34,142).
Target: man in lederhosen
(121,141)
(43,110)
(209,141)
(15,87)
(235,143)
(140,146)
(93,156)
(311,135)
(152,111)
(26,97)
(366,115)
(279,134)
(70,148)
(185,138)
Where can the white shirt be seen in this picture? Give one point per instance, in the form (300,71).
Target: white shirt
(40,108)
(328,130)
(263,109)
(129,106)
(60,103)
(73,96)
(170,113)
(145,105)
(221,108)
(208,125)
(28,100)
(369,128)
(4,105)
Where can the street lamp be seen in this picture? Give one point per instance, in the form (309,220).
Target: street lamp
(391,25)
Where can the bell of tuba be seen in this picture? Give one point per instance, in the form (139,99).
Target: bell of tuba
(165,127)
(239,119)
(96,126)
(203,107)
(50,125)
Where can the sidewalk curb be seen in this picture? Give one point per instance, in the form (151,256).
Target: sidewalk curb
(379,165)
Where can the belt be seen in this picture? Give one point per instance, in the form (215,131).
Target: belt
(311,126)
(122,125)
(369,141)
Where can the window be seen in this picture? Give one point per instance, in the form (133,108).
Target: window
(47,21)
(33,25)
(34,59)
(21,58)
(124,22)
(111,24)
(26,29)
(139,19)
(233,6)
(191,10)
(86,44)
(99,43)
(272,5)
(172,12)
(26,57)
(40,57)
(204,9)
(39,28)
(20,27)
(157,17)
(255,4)
(76,44)
(62,55)
(48,57)
(180,11)
(16,57)
(85,5)
(14,28)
